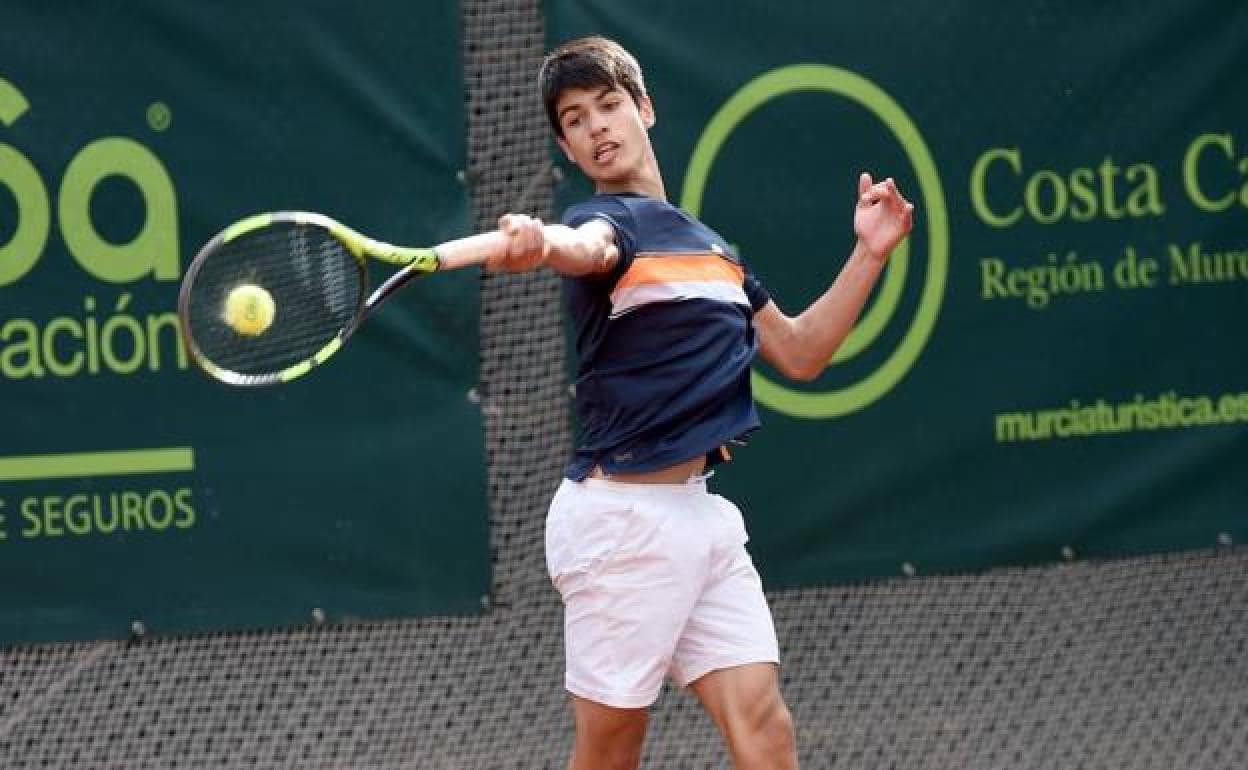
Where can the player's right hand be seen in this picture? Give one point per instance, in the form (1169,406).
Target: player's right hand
(525,245)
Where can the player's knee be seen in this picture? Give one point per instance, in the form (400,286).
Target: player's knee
(765,735)
(619,753)
(615,748)
(619,758)
(777,731)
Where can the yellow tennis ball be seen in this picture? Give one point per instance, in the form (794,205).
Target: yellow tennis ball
(249,309)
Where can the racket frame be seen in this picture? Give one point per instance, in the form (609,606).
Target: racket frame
(413,261)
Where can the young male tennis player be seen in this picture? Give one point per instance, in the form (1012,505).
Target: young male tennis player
(652,568)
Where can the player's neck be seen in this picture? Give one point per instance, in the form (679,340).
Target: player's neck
(645,180)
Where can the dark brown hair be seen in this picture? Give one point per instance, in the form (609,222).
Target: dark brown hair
(588,62)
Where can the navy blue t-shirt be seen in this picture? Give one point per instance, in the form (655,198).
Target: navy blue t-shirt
(664,341)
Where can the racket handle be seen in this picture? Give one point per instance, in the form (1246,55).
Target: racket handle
(470,251)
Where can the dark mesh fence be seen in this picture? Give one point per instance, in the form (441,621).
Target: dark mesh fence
(1140,663)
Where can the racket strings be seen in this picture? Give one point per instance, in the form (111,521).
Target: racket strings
(317,287)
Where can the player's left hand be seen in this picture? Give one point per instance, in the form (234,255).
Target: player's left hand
(882,217)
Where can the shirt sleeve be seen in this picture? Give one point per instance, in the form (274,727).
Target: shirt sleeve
(755,292)
(616,214)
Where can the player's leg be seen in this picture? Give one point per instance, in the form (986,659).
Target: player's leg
(729,656)
(606,738)
(746,705)
(628,573)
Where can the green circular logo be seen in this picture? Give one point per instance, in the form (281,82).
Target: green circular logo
(815,77)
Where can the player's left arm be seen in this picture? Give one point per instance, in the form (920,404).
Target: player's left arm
(801,347)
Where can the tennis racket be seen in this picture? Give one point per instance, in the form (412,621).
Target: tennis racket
(275,295)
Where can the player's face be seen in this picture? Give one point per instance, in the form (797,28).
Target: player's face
(604,133)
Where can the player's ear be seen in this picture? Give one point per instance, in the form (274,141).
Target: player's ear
(646,108)
(563,145)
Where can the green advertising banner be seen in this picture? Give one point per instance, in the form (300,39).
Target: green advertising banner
(1054,364)
(135,494)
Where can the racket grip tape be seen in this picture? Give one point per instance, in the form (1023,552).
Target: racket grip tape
(470,251)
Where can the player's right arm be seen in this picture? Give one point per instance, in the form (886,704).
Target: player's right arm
(573,251)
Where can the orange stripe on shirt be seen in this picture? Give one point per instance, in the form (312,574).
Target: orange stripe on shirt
(673,268)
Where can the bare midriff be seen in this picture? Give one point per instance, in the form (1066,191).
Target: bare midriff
(672,474)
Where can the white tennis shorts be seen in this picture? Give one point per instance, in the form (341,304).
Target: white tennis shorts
(656,582)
